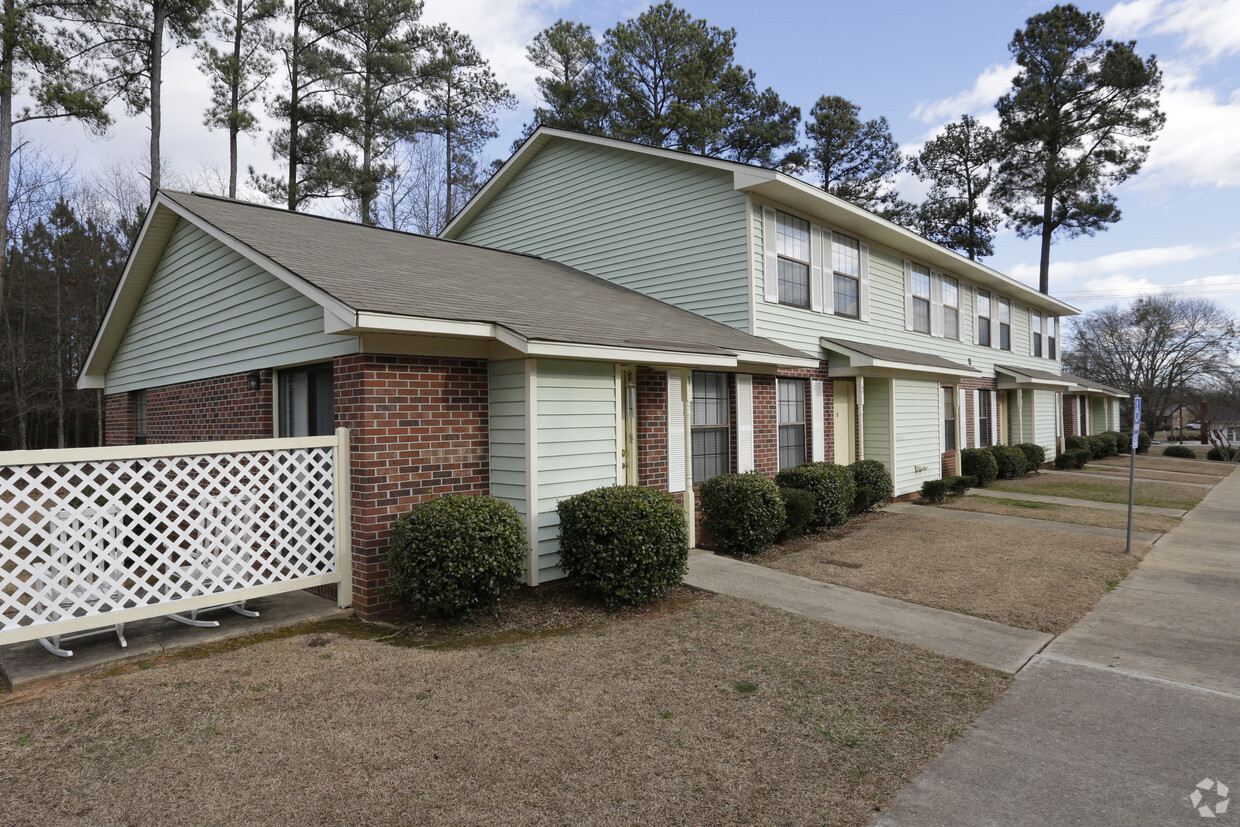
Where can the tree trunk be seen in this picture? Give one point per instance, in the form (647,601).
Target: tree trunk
(447,140)
(7,49)
(294,103)
(233,116)
(157,67)
(1044,266)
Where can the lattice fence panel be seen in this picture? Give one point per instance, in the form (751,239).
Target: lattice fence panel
(83,539)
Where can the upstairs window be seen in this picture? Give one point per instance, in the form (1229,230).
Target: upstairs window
(791,422)
(792,248)
(306,401)
(921,299)
(983,318)
(1037,333)
(710,425)
(846,266)
(951,308)
(1005,324)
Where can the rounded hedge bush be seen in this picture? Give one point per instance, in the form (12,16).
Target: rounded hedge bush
(832,486)
(872,474)
(1115,442)
(959,485)
(1096,445)
(743,512)
(980,464)
(1074,443)
(1035,455)
(798,512)
(1080,457)
(1009,460)
(624,543)
(1179,451)
(1216,454)
(934,491)
(1065,461)
(458,554)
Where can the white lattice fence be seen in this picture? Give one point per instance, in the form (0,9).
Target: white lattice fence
(101,536)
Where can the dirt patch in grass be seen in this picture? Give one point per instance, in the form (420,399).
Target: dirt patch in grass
(1157,494)
(1169,464)
(718,712)
(1043,580)
(1063,513)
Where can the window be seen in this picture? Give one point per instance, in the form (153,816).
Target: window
(791,422)
(921,299)
(710,425)
(1037,333)
(951,308)
(983,318)
(139,417)
(792,248)
(1051,324)
(949,419)
(846,264)
(1005,324)
(983,419)
(306,407)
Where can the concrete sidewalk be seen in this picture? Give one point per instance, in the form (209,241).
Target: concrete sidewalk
(1119,719)
(970,638)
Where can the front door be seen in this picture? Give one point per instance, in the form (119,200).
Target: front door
(628,452)
(845,423)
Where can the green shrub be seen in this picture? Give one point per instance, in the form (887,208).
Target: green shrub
(980,464)
(798,512)
(1009,461)
(1065,460)
(1114,442)
(1180,451)
(959,485)
(1216,454)
(872,474)
(832,486)
(1035,455)
(1075,443)
(458,554)
(624,543)
(863,499)
(1096,445)
(1125,442)
(743,512)
(934,491)
(1080,457)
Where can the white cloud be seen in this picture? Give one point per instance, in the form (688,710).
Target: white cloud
(1209,28)
(1113,265)
(1198,145)
(990,85)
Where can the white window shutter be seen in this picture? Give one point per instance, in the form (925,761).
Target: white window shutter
(977,419)
(675,434)
(815,268)
(977,340)
(994,417)
(744,422)
(1032,313)
(961,428)
(863,292)
(908,295)
(770,261)
(817,424)
(936,304)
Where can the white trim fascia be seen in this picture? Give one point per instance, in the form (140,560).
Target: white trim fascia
(879,367)
(371,322)
(150,451)
(777,361)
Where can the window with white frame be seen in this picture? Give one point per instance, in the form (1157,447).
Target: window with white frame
(306,401)
(921,299)
(846,267)
(951,308)
(1037,333)
(984,414)
(949,418)
(983,318)
(1005,323)
(792,249)
(791,422)
(710,434)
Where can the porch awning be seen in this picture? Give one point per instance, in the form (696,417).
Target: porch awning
(859,359)
(1083,385)
(1010,377)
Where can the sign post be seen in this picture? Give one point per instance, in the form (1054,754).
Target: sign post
(1132,467)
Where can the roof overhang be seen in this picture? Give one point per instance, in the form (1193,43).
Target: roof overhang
(1087,390)
(844,360)
(1028,378)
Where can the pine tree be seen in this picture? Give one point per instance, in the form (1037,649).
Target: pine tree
(856,160)
(1078,122)
(960,166)
(572,86)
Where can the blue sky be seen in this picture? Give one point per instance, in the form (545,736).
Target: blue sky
(919,64)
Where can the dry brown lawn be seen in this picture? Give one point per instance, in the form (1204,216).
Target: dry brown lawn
(1157,494)
(1213,469)
(1063,513)
(718,712)
(1121,472)
(1044,580)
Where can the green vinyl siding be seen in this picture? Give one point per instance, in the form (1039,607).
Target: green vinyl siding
(876,439)
(507,432)
(918,434)
(669,229)
(577,443)
(1044,420)
(209,311)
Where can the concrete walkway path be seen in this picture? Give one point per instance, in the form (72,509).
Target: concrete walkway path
(970,638)
(1123,717)
(1042,498)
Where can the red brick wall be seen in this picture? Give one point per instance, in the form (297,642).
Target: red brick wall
(1071,413)
(222,407)
(765,426)
(970,400)
(652,467)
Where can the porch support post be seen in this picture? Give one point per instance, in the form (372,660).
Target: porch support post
(686,396)
(531,470)
(344,521)
(860,414)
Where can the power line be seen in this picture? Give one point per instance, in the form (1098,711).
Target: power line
(1222,288)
